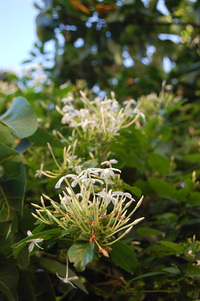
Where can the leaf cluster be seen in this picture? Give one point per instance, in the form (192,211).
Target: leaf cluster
(157,260)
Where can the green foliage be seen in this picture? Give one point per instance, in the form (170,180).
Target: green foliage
(159,258)
(159,158)
(122,45)
(124,257)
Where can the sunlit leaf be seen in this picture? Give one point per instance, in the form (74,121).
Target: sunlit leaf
(20,118)
(81,253)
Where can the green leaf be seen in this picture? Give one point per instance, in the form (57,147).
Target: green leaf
(132,160)
(149,231)
(147,275)
(134,190)
(12,192)
(41,137)
(6,152)
(23,145)
(42,285)
(81,253)
(45,234)
(124,257)
(192,158)
(161,187)
(59,268)
(181,195)
(5,248)
(20,118)
(158,163)
(178,248)
(194,199)
(6,136)
(171,270)
(25,288)
(8,280)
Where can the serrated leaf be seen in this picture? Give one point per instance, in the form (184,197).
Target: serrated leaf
(81,253)
(124,257)
(20,118)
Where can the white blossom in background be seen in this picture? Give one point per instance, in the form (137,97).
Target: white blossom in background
(70,161)
(103,116)
(7,88)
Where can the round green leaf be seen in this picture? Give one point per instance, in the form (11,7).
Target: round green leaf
(20,118)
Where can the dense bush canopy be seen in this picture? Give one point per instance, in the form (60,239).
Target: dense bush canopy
(126,46)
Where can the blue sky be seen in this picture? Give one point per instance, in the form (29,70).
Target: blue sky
(17,32)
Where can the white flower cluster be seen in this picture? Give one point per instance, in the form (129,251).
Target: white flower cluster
(100,115)
(94,211)
(7,88)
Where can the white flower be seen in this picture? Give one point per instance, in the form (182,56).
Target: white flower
(67,99)
(107,195)
(84,123)
(62,178)
(120,193)
(39,172)
(68,279)
(33,241)
(112,161)
(108,172)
